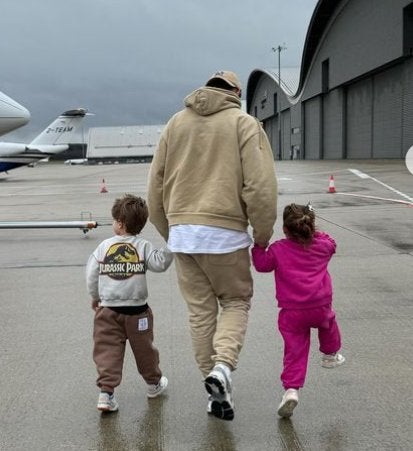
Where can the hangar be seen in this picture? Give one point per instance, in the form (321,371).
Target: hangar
(128,144)
(352,97)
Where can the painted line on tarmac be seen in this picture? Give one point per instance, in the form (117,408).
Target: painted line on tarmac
(394,190)
(362,175)
(404,202)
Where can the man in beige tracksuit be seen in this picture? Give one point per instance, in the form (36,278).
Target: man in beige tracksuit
(212,176)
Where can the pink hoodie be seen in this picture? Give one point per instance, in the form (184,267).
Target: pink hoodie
(301,277)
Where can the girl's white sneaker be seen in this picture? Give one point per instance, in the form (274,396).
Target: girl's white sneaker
(332,360)
(288,403)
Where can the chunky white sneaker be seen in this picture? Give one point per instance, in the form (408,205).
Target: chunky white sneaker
(218,385)
(156,389)
(209,405)
(288,403)
(107,402)
(332,360)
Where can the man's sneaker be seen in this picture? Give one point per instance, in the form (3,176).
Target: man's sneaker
(332,360)
(288,403)
(209,405)
(156,389)
(107,402)
(218,385)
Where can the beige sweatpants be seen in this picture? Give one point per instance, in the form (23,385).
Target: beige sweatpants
(218,290)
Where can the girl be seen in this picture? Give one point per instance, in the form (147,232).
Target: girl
(304,294)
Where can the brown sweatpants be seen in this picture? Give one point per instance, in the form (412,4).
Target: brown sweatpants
(110,332)
(218,290)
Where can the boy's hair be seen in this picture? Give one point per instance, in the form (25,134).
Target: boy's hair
(299,223)
(132,211)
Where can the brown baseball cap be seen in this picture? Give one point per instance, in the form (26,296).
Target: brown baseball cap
(229,77)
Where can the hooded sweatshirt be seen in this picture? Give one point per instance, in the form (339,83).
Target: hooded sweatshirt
(213,166)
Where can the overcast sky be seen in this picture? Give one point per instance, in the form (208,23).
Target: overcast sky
(131,62)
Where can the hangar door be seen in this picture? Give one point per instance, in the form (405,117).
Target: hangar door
(312,129)
(407,118)
(358,118)
(387,111)
(286,134)
(333,125)
(271,129)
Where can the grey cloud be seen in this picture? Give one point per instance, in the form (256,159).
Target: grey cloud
(133,61)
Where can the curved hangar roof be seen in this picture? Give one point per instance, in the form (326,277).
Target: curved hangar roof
(292,84)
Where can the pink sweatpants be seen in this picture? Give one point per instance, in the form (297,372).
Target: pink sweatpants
(295,326)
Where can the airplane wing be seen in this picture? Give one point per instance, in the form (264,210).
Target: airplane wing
(48,148)
(7,149)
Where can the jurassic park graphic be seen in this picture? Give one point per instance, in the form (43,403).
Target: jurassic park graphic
(121,262)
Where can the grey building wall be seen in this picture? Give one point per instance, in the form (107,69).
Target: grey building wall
(356,98)
(362,36)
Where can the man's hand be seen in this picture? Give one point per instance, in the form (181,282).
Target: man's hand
(263,244)
(95,304)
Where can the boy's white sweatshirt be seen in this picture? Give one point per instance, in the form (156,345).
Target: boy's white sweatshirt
(116,271)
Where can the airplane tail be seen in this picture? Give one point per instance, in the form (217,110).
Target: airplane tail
(62,131)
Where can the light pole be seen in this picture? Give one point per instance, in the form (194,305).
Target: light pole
(279,49)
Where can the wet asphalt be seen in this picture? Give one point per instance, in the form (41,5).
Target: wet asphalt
(47,383)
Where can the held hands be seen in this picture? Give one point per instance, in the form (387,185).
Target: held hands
(263,244)
(95,304)
(261,240)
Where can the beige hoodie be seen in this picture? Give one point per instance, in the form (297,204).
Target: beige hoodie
(213,166)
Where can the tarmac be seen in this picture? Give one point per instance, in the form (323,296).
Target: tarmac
(47,383)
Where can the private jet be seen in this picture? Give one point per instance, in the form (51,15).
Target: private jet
(54,139)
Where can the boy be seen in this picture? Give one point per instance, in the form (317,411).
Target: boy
(116,281)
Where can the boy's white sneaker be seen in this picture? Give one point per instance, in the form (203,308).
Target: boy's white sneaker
(332,360)
(288,403)
(107,402)
(155,390)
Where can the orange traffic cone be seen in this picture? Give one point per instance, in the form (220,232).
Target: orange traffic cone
(331,187)
(103,188)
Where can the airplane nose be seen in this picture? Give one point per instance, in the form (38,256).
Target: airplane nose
(23,115)
(12,114)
